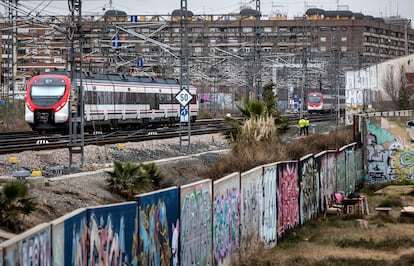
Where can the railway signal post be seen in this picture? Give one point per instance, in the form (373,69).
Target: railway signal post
(184,97)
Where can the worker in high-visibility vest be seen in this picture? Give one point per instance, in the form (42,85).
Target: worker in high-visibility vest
(302,123)
(307,124)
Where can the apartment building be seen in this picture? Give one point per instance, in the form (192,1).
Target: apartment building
(309,52)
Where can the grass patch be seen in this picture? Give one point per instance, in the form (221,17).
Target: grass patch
(391,201)
(385,244)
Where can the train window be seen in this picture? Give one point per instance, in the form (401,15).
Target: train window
(92,97)
(100,97)
(165,98)
(141,98)
(51,91)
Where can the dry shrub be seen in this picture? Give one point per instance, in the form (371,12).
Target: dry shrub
(259,143)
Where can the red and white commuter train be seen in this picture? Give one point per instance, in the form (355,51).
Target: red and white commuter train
(111,101)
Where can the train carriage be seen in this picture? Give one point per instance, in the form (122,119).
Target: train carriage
(111,101)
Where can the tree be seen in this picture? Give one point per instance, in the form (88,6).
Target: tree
(15,202)
(403,99)
(393,84)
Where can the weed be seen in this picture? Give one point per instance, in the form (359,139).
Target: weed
(391,201)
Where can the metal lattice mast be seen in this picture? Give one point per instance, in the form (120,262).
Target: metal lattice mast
(184,80)
(9,66)
(304,68)
(76,108)
(257,54)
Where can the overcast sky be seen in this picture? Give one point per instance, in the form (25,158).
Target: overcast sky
(377,8)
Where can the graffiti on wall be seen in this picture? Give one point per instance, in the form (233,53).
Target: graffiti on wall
(158,226)
(287,197)
(269,227)
(98,236)
(326,165)
(34,250)
(178,228)
(251,209)
(309,190)
(196,222)
(226,213)
(109,243)
(390,150)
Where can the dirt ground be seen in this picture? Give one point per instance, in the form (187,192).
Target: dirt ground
(370,239)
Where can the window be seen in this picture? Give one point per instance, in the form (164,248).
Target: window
(323,39)
(247,49)
(323,49)
(267,29)
(344,39)
(247,29)
(343,48)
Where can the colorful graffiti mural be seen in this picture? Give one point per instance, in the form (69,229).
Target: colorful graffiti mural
(309,189)
(33,248)
(157,225)
(287,197)
(201,223)
(390,149)
(196,223)
(226,213)
(269,227)
(251,209)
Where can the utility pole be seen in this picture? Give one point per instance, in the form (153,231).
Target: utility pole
(304,68)
(76,102)
(257,67)
(9,66)
(184,80)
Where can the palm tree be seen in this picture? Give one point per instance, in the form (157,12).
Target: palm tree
(129,179)
(14,202)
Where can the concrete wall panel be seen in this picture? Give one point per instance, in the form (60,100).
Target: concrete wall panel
(110,230)
(287,197)
(326,168)
(196,223)
(309,189)
(158,228)
(58,236)
(226,218)
(389,147)
(32,247)
(251,209)
(341,171)
(268,234)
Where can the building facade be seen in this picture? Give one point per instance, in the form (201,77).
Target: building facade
(303,54)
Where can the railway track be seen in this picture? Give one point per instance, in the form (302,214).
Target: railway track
(13,142)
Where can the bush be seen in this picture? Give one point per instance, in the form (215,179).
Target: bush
(129,179)
(15,202)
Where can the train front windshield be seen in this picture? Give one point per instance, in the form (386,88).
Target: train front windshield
(46,95)
(314,99)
